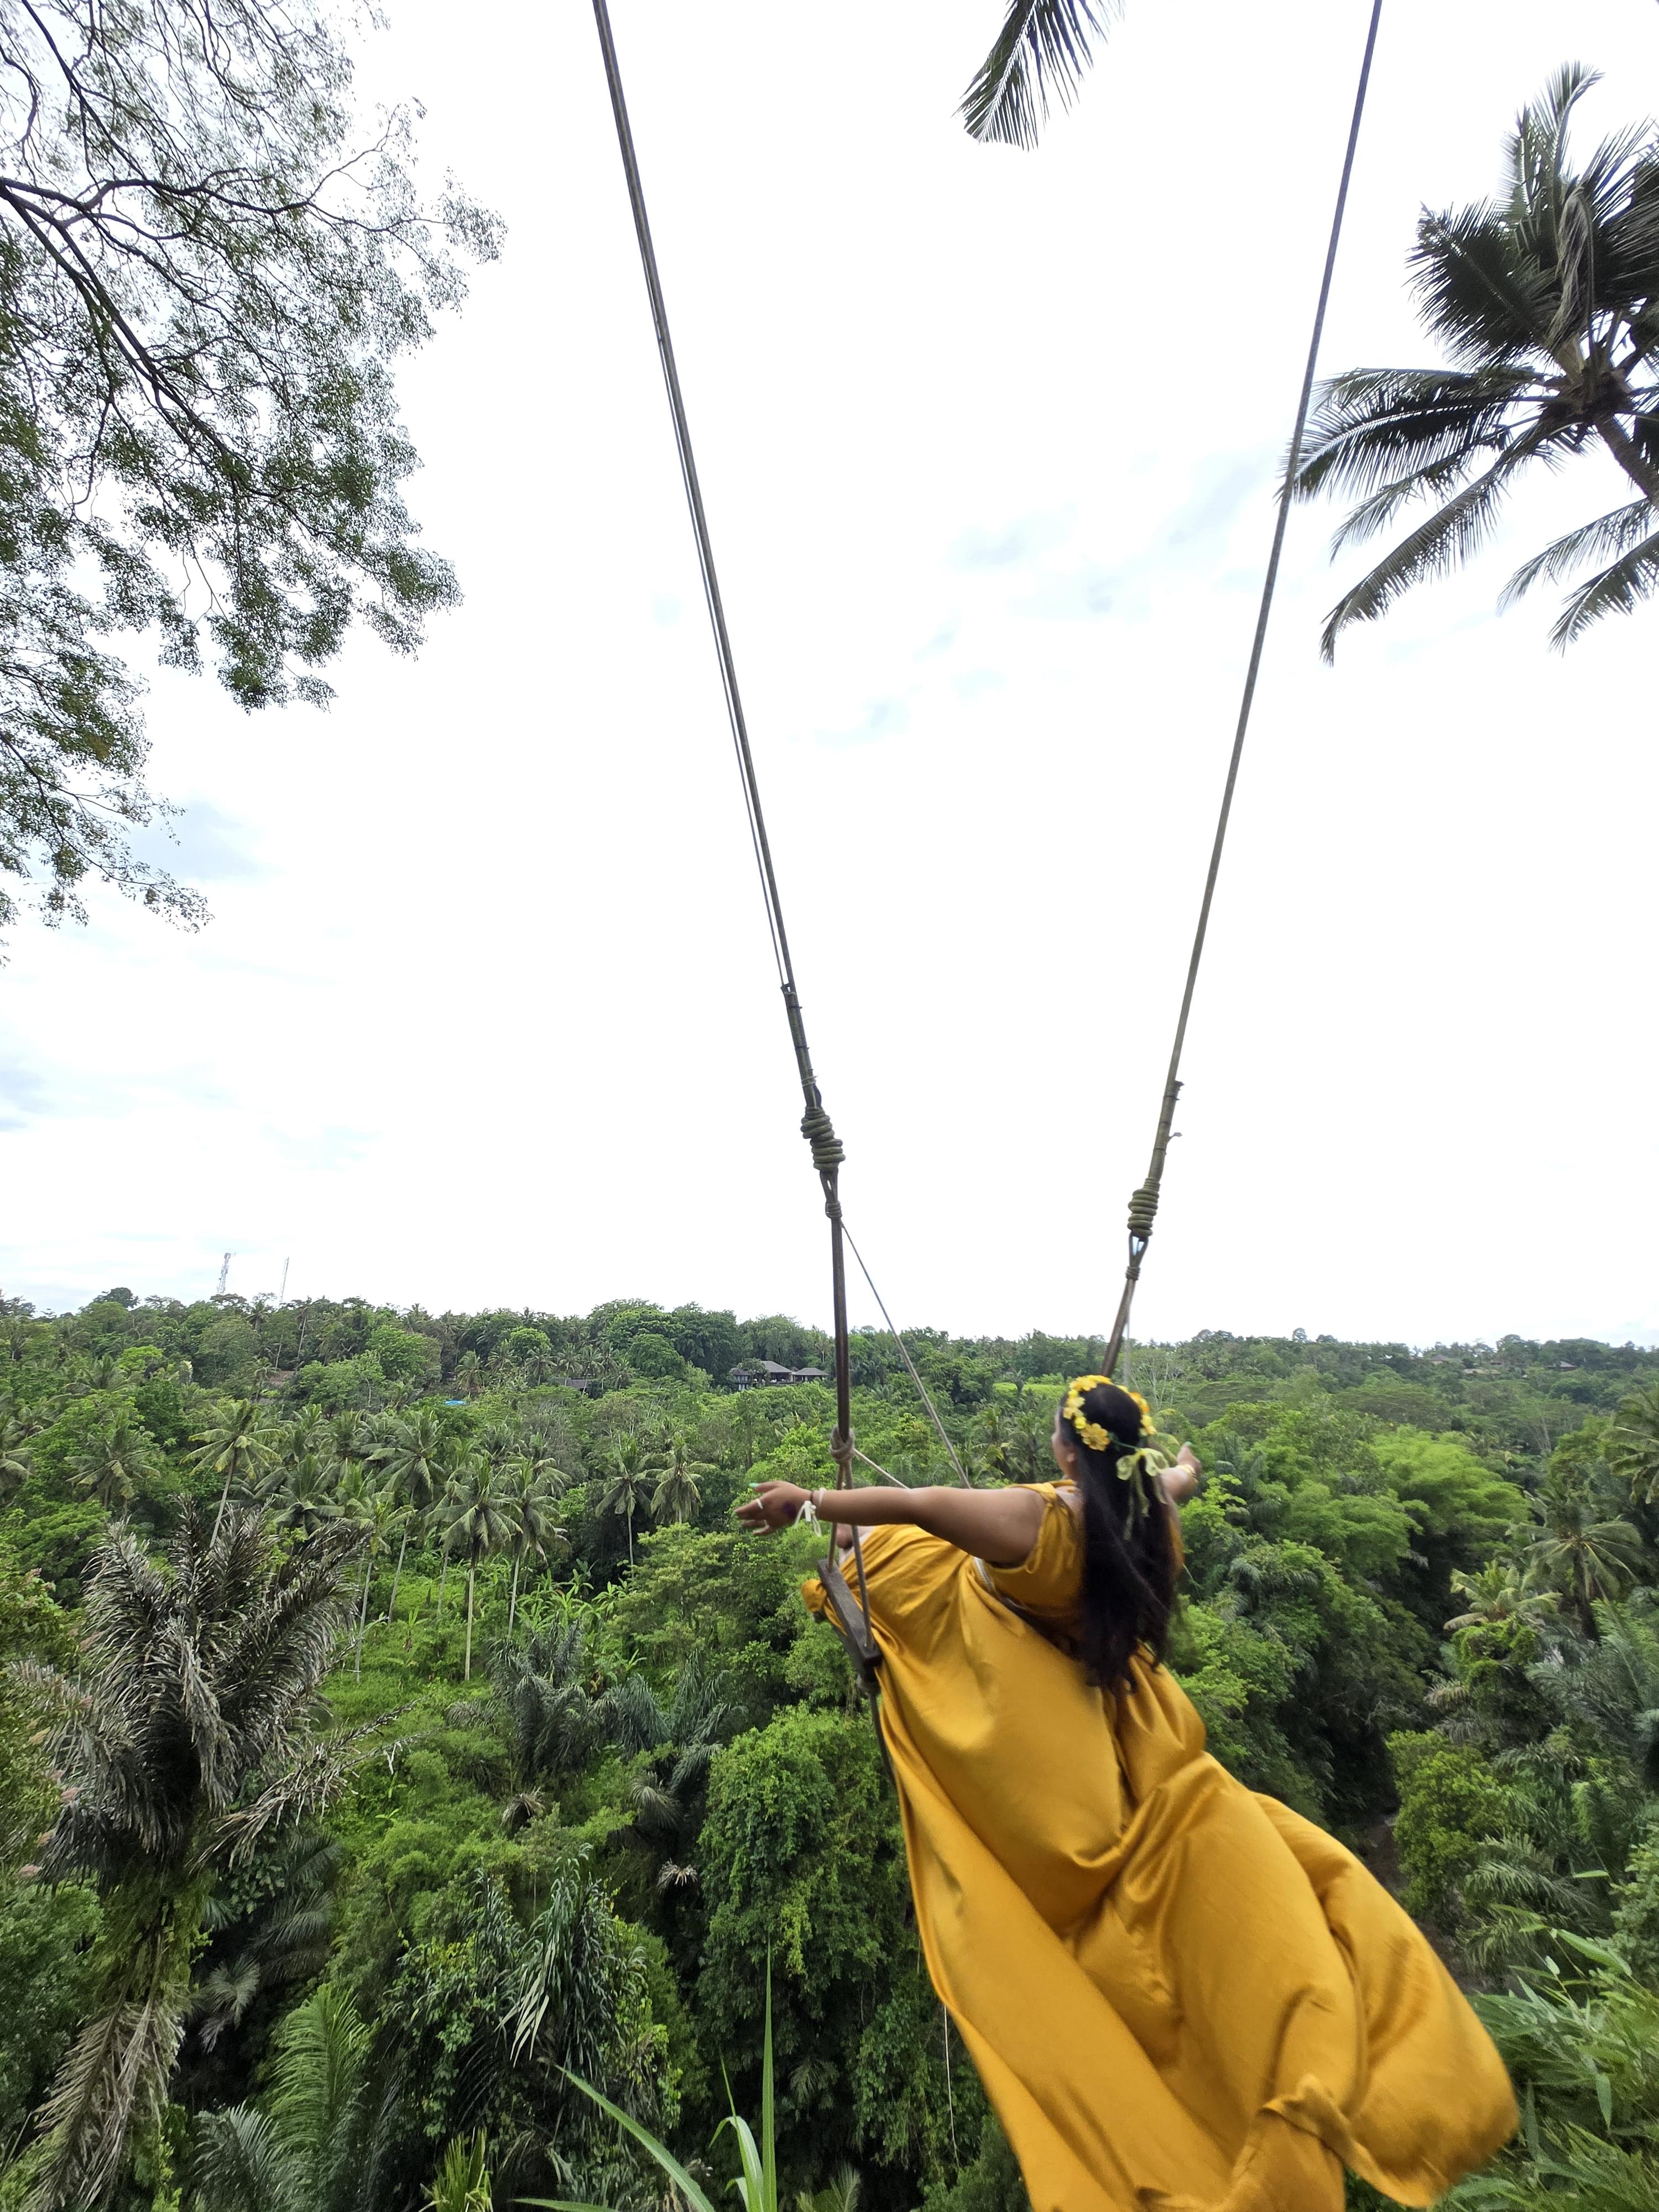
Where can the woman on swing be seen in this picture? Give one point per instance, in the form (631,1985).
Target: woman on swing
(1181,1997)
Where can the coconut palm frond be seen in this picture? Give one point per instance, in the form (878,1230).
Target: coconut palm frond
(1434,480)
(1609,534)
(319,2096)
(113,2077)
(1576,243)
(308,1785)
(1434,547)
(636,1718)
(222,2001)
(239,2164)
(1486,304)
(522,1808)
(655,1806)
(302,2149)
(1368,424)
(1630,580)
(1534,151)
(569,1981)
(1040,51)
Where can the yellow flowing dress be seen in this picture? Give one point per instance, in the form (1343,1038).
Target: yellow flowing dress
(1181,1997)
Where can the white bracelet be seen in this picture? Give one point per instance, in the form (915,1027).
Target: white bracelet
(809,1510)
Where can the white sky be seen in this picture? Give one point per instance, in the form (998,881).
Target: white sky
(485,1014)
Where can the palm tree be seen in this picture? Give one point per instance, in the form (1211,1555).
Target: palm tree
(1635,1441)
(672,1742)
(1022,1453)
(1500,1592)
(1611,1688)
(679,1481)
(188,1735)
(376,1436)
(237,1445)
(435,1520)
(1583,1556)
(283,1937)
(1547,303)
(1527,1883)
(350,1439)
(626,1482)
(526,1486)
(301,2149)
(552,1721)
(301,1496)
(113,1459)
(411,1453)
(380,1514)
(478,1520)
(15,1461)
(468,1376)
(988,1439)
(304,1437)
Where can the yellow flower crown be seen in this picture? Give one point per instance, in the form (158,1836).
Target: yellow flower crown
(1096,1436)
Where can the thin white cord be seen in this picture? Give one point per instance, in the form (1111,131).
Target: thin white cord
(944,1434)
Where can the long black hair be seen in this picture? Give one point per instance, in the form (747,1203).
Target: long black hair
(1129,1559)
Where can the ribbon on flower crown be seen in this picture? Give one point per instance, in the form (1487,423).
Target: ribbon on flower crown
(1135,1465)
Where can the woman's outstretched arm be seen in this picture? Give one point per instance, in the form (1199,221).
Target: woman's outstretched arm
(1180,1481)
(997,1526)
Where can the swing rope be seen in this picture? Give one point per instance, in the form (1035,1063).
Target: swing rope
(1143,1206)
(816,1126)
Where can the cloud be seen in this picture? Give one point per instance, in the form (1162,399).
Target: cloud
(1015,542)
(1224,486)
(200,844)
(881,718)
(974,681)
(320,1148)
(1078,594)
(666,609)
(24,1096)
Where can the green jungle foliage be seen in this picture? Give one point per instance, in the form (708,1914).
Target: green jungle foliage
(406,1765)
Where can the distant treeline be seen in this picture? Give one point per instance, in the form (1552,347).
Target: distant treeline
(332,1351)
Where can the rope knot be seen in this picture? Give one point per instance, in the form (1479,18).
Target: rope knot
(1143,1211)
(819,1131)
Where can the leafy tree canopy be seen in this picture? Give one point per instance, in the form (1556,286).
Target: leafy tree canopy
(207,268)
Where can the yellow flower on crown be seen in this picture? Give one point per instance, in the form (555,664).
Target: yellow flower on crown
(1094,1433)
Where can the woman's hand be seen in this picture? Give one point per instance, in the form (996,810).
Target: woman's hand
(774,1505)
(1181,1480)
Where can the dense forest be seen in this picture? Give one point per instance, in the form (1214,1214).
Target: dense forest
(396,1727)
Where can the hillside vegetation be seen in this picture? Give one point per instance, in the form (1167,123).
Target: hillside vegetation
(396,1725)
